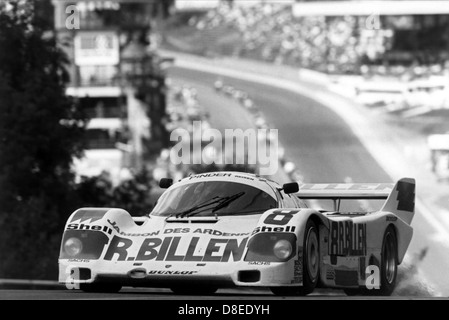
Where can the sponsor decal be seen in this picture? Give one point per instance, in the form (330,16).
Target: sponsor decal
(243,177)
(79,260)
(170,272)
(92,215)
(275,229)
(166,249)
(392,218)
(211,232)
(210,175)
(218,233)
(297,275)
(116,228)
(347,239)
(75,226)
(259,263)
(298,268)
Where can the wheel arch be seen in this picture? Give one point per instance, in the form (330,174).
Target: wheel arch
(316,217)
(317,220)
(404,234)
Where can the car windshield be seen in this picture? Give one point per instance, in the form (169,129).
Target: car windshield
(214,198)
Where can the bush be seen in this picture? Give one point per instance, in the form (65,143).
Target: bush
(36,145)
(132,195)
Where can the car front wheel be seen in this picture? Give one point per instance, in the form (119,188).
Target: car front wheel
(310,261)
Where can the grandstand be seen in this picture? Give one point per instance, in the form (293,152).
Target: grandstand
(405,42)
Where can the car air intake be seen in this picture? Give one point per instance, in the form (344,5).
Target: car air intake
(83,274)
(138,273)
(249,276)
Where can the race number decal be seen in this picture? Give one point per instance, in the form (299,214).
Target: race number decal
(280,218)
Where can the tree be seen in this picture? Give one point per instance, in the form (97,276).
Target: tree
(166,5)
(40,134)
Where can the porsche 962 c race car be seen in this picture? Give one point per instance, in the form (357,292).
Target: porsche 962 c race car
(228,229)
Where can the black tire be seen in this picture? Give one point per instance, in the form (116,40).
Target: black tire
(101,287)
(310,263)
(389,264)
(199,291)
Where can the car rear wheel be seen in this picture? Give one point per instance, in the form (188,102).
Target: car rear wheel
(310,261)
(389,265)
(101,287)
(388,268)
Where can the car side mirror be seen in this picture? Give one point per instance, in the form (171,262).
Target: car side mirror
(290,188)
(165,183)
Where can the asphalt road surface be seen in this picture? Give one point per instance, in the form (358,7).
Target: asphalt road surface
(167,295)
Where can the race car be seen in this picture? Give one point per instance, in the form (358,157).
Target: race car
(231,229)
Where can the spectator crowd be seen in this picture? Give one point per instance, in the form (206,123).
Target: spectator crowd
(335,45)
(270,32)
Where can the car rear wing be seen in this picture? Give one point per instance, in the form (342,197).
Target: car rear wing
(344,191)
(400,197)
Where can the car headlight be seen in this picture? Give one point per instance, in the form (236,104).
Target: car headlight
(271,247)
(73,247)
(282,249)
